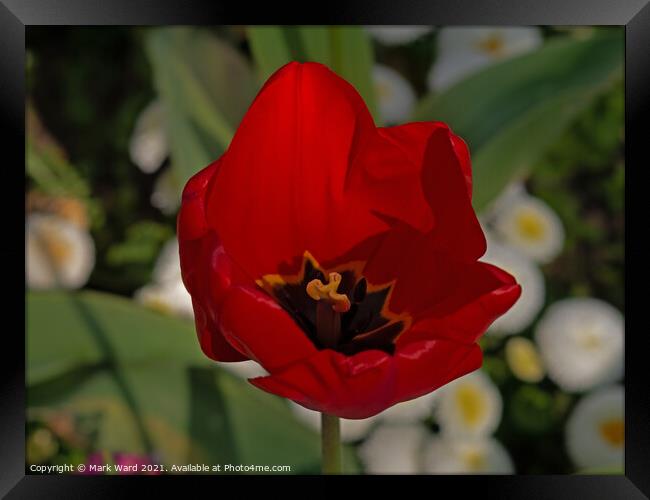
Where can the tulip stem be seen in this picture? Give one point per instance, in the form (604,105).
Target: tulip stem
(331,444)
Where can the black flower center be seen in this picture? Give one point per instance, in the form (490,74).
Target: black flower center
(366,324)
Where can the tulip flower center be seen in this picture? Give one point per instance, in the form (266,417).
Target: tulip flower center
(330,305)
(341,312)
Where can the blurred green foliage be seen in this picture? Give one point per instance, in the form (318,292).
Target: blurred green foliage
(346,50)
(582,177)
(514,110)
(212,417)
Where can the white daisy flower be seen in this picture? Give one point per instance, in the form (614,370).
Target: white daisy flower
(394,93)
(393,449)
(351,430)
(513,190)
(595,431)
(169,298)
(469,406)
(41,446)
(410,411)
(523,360)
(166,193)
(149,144)
(168,264)
(71,209)
(581,343)
(530,225)
(397,35)
(167,293)
(465,50)
(60,254)
(245,369)
(533,289)
(466,456)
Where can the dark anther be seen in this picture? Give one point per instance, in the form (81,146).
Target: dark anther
(328,325)
(360,290)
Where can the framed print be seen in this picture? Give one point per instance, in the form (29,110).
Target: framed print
(390,243)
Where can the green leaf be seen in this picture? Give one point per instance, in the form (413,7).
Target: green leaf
(515,150)
(345,50)
(54,175)
(511,112)
(66,331)
(316,43)
(141,245)
(144,375)
(206,86)
(47,164)
(603,471)
(352,58)
(270,49)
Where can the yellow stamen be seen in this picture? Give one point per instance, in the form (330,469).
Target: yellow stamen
(318,291)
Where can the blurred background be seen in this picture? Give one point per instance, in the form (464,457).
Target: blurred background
(119,118)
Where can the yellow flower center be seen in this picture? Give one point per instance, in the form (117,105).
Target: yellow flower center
(613,431)
(590,340)
(523,360)
(384,91)
(475,460)
(531,226)
(493,45)
(158,304)
(471,404)
(57,248)
(70,209)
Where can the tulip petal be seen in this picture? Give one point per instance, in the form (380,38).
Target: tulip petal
(212,342)
(207,270)
(308,170)
(256,325)
(423,275)
(466,314)
(445,173)
(280,190)
(192,223)
(369,382)
(208,273)
(330,382)
(427,267)
(412,138)
(427,365)
(457,228)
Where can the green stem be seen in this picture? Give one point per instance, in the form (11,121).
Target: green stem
(331,444)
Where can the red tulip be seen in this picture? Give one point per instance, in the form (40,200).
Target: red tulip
(340,256)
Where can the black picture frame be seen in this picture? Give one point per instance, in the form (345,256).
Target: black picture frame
(18,15)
